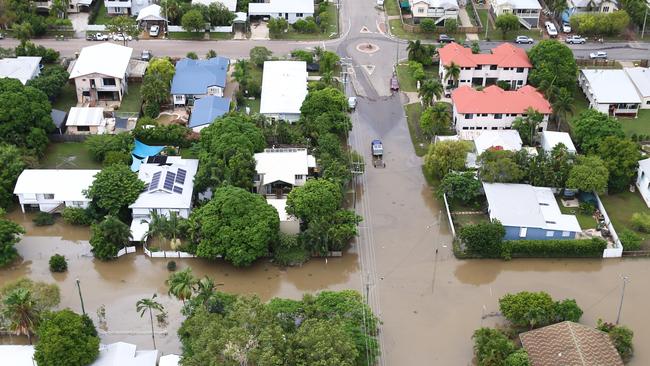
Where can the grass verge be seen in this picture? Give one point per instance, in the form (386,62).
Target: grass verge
(420,143)
(68,155)
(186,35)
(132,101)
(621,206)
(66,99)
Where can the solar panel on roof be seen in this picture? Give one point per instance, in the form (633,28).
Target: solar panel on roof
(178,189)
(180,177)
(154,181)
(169,181)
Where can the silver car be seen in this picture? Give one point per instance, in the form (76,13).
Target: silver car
(598,55)
(524,39)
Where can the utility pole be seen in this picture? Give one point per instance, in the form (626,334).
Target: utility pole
(644,19)
(620,305)
(83,310)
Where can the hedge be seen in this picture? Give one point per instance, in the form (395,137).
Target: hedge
(578,248)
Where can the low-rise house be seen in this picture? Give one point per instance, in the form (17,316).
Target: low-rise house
(550,139)
(640,77)
(169,185)
(528,212)
(151,15)
(569,344)
(126,7)
(290,10)
(86,121)
(76,6)
(195,79)
(279,170)
(23,68)
(494,108)
(528,11)
(288,224)
(206,110)
(100,73)
(228,4)
(610,92)
(643,180)
(119,353)
(505,63)
(498,140)
(50,190)
(591,6)
(284,88)
(438,10)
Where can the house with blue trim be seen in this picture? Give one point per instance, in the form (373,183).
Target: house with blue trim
(195,79)
(206,110)
(528,212)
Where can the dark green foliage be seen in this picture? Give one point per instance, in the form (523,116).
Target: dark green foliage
(49,55)
(236,225)
(58,263)
(428,25)
(159,135)
(446,156)
(100,145)
(108,237)
(491,347)
(573,248)
(117,157)
(517,358)
(43,219)
(483,238)
(553,64)
(13,163)
(640,222)
(499,166)
(316,199)
(277,26)
(621,336)
(567,309)
(66,338)
(9,235)
(307,25)
(462,186)
(506,22)
(115,188)
(289,251)
(592,127)
(50,81)
(303,55)
(630,240)
(258,55)
(76,216)
(537,309)
(587,208)
(171,266)
(621,156)
(322,101)
(589,174)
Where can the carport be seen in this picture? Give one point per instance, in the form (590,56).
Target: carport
(151,15)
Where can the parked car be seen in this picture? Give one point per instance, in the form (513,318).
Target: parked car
(575,40)
(154,31)
(380,2)
(2,36)
(121,37)
(524,39)
(97,37)
(566,28)
(352,102)
(598,55)
(146,55)
(443,38)
(394,84)
(551,30)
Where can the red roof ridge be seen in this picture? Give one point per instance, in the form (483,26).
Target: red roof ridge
(504,55)
(493,99)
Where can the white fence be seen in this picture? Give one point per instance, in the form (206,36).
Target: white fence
(167,254)
(125,250)
(96,28)
(178,28)
(451,221)
(617,250)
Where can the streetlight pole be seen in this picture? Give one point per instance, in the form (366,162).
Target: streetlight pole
(644,19)
(83,310)
(620,305)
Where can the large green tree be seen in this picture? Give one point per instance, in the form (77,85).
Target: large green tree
(9,235)
(323,343)
(554,63)
(621,157)
(181,284)
(483,238)
(506,22)
(318,198)
(322,101)
(499,166)
(461,186)
(13,163)
(163,67)
(527,126)
(592,127)
(446,156)
(100,145)
(50,81)
(115,187)
(491,347)
(193,21)
(66,338)
(589,174)
(435,120)
(236,225)
(429,90)
(125,25)
(108,237)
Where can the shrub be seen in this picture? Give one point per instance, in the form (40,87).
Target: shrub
(49,55)
(117,157)
(428,25)
(76,216)
(303,55)
(630,240)
(289,251)
(641,222)
(587,208)
(307,25)
(58,263)
(621,336)
(152,109)
(171,266)
(192,55)
(484,238)
(491,346)
(43,219)
(557,248)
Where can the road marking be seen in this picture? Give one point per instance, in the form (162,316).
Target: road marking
(364,29)
(369,68)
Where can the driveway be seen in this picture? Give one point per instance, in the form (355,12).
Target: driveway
(79,23)
(259,31)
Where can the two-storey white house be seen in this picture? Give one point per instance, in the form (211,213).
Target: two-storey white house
(50,190)
(126,7)
(591,6)
(195,79)
(610,91)
(494,108)
(504,63)
(438,10)
(528,11)
(290,10)
(643,180)
(100,72)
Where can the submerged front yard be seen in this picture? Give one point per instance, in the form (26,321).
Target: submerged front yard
(68,155)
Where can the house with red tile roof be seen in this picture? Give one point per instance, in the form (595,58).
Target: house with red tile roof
(494,108)
(504,63)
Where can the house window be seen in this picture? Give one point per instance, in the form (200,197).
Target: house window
(420,11)
(108,81)
(605,9)
(520,82)
(497,116)
(484,115)
(647,102)
(48,196)
(566,234)
(83,128)
(493,67)
(469,116)
(495,128)
(299,177)
(520,69)
(549,234)
(257,178)
(522,232)
(465,128)
(299,15)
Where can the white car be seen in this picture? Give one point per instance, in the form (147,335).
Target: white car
(352,102)
(598,55)
(524,39)
(566,28)
(154,31)
(550,28)
(380,2)
(575,39)
(121,37)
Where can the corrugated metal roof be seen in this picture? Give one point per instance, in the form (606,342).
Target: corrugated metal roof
(207,109)
(193,77)
(105,58)
(611,86)
(284,87)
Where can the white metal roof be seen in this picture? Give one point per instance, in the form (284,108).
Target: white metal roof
(151,12)
(156,195)
(500,139)
(85,116)
(105,58)
(520,4)
(65,184)
(640,77)
(283,164)
(552,138)
(522,205)
(21,68)
(169,360)
(17,355)
(229,4)
(611,86)
(444,4)
(284,86)
(644,165)
(114,354)
(281,6)
(280,205)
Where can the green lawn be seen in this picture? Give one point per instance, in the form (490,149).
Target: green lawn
(186,35)
(620,208)
(580,104)
(496,34)
(639,125)
(391,7)
(102,15)
(420,143)
(585,221)
(132,101)
(217,36)
(406,82)
(254,105)
(399,32)
(68,155)
(463,220)
(67,99)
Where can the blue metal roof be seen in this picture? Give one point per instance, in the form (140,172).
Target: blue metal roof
(207,109)
(193,77)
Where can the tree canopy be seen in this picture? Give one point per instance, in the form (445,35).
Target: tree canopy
(553,63)
(491,347)
(483,238)
(9,236)
(591,127)
(499,166)
(12,165)
(235,224)
(108,237)
(193,21)
(537,309)
(506,22)
(322,101)
(115,187)
(318,198)
(50,81)
(125,25)
(66,338)
(621,157)
(445,156)
(258,55)
(589,174)
(461,186)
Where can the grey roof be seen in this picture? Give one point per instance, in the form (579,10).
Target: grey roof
(58,117)
(193,77)
(611,86)
(207,109)
(522,205)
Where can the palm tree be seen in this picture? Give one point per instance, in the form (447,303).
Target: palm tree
(563,104)
(452,71)
(441,116)
(173,227)
(181,284)
(415,51)
(149,304)
(171,10)
(20,311)
(327,78)
(157,226)
(430,89)
(318,52)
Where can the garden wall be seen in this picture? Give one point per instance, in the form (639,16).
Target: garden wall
(617,250)
(167,254)
(126,250)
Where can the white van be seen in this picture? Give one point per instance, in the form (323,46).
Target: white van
(550,28)
(380,3)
